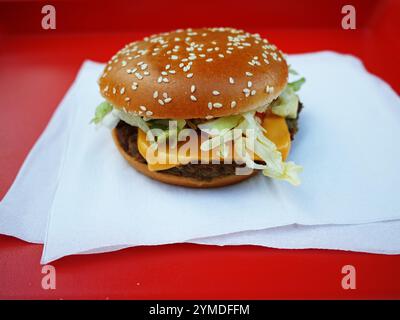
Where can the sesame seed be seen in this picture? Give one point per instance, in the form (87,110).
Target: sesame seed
(193,98)
(127,99)
(249,84)
(134,86)
(217,105)
(231,80)
(167,66)
(172,71)
(138,75)
(189,75)
(165,95)
(210,105)
(174,57)
(233,104)
(122,91)
(164,73)
(160,102)
(249,74)
(123,63)
(209,117)
(192,88)
(142,108)
(253,92)
(155,94)
(143,66)
(209,59)
(149,113)
(167,100)
(215,93)
(160,79)
(269,89)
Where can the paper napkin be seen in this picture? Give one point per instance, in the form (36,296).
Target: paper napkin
(77,194)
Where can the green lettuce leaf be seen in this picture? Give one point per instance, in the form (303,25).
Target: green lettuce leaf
(286,105)
(296,85)
(220,124)
(102,110)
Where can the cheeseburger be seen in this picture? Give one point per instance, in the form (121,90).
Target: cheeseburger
(202,107)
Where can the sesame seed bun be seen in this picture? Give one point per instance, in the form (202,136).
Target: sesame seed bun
(179,180)
(195,73)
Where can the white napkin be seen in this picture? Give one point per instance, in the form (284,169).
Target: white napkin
(96,202)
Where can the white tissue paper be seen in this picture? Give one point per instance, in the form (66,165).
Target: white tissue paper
(77,194)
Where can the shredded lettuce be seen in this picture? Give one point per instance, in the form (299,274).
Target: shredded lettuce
(254,141)
(220,124)
(133,120)
(296,85)
(286,104)
(263,147)
(251,139)
(221,132)
(168,131)
(292,71)
(102,110)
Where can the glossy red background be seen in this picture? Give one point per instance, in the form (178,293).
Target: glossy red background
(38,66)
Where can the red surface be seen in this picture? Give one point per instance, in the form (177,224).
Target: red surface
(37,67)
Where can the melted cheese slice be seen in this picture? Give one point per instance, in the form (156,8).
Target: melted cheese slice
(277,132)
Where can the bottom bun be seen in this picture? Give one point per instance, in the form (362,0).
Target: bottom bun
(179,180)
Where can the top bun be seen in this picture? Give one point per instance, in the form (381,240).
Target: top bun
(195,73)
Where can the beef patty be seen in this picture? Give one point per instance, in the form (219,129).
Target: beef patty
(127,136)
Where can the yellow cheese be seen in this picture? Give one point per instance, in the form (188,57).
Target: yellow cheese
(277,132)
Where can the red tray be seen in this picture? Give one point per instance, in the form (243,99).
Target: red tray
(37,67)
